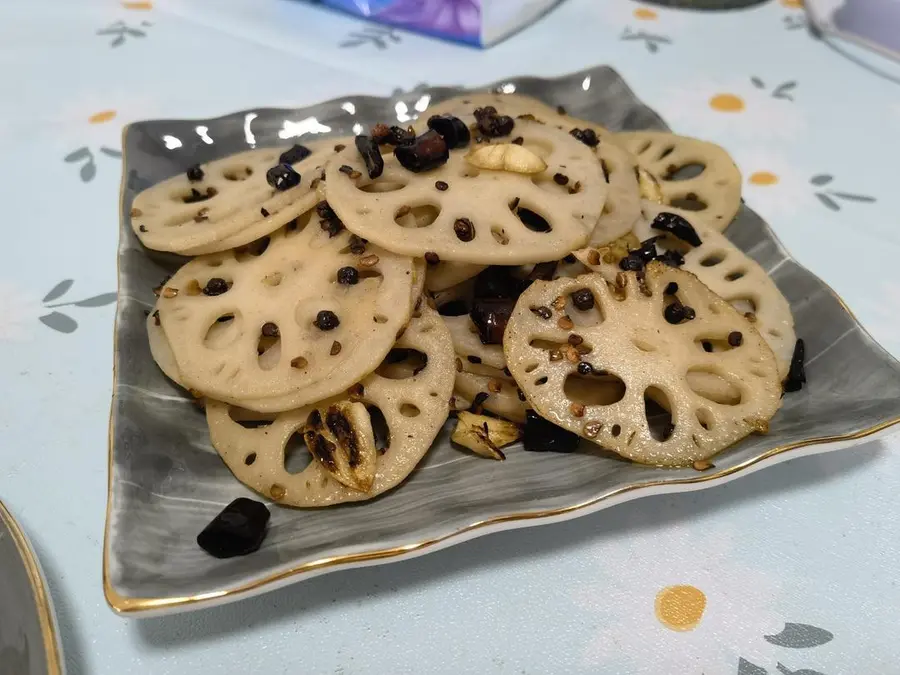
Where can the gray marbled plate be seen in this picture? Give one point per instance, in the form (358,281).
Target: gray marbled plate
(29,642)
(167,482)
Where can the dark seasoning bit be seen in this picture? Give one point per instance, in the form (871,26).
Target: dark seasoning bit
(452,129)
(586,136)
(543,312)
(427,152)
(492,125)
(676,313)
(796,376)
(385,135)
(270,330)
(195,174)
(215,286)
(735,338)
(560,179)
(677,226)
(464,229)
(328,219)
(282,177)
(490,316)
(350,171)
(326,320)
(294,154)
(543,436)
(357,244)
(348,276)
(371,154)
(585,368)
(263,212)
(583,299)
(441,185)
(432,258)
(238,530)
(197,196)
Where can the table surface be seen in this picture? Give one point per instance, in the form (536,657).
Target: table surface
(798,564)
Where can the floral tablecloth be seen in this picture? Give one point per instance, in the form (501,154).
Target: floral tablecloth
(791,570)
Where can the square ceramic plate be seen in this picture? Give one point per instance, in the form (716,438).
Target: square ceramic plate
(167,483)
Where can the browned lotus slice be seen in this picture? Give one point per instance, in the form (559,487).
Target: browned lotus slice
(402,405)
(646,332)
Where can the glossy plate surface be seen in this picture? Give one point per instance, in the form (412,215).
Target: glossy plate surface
(167,483)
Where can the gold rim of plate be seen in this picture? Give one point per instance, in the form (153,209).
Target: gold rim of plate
(127,605)
(38,589)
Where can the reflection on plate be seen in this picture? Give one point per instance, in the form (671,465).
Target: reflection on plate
(167,483)
(28,633)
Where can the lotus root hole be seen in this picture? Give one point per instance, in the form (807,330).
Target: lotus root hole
(539,146)
(774,332)
(744,304)
(541,380)
(616,430)
(237,173)
(705,418)
(223,331)
(712,345)
(499,235)
(689,202)
(249,419)
(713,259)
(400,364)
(214,262)
(417,216)
(368,273)
(685,171)
(734,276)
(380,428)
(531,367)
(273,279)
(249,459)
(380,318)
(666,151)
(643,345)
(533,220)
(592,390)
(713,387)
(296,455)
(586,318)
(409,410)
(644,147)
(251,250)
(268,351)
(382,186)
(186,196)
(657,410)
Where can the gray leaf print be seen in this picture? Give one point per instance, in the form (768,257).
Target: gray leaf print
(830,203)
(800,635)
(118,41)
(59,290)
(111,152)
(77,155)
(97,300)
(806,671)
(747,668)
(88,171)
(62,323)
(821,179)
(852,197)
(758,83)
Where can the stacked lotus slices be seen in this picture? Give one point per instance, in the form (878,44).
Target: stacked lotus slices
(534,275)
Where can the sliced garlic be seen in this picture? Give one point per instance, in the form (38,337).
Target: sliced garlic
(649,186)
(341,439)
(484,435)
(506,157)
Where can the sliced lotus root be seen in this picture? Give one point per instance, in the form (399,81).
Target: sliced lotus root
(160,349)
(230,204)
(692,174)
(623,201)
(475,216)
(294,318)
(414,409)
(627,332)
(727,271)
(443,275)
(495,393)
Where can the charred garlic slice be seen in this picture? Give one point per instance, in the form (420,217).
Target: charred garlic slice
(341,439)
(484,435)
